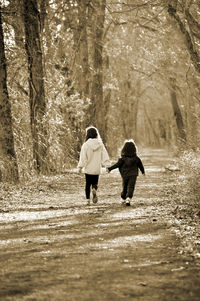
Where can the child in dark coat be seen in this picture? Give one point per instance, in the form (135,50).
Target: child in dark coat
(128,165)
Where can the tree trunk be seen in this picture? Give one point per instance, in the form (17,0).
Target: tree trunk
(177,111)
(136,107)
(124,108)
(81,50)
(152,127)
(8,168)
(97,104)
(43,12)
(36,83)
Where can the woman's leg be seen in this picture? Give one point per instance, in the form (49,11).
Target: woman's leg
(95,179)
(87,186)
(91,180)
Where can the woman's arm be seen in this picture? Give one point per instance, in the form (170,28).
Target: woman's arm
(83,157)
(105,160)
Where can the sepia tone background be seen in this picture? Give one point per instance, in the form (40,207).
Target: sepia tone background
(132,69)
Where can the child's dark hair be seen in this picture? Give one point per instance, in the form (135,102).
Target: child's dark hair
(91,133)
(129,149)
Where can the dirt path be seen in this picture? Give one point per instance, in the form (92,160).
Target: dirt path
(54,247)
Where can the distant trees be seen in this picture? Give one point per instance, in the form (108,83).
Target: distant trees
(150,51)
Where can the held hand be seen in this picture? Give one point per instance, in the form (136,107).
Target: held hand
(107,170)
(79,169)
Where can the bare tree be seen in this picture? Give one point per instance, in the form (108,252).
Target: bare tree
(189,26)
(8,167)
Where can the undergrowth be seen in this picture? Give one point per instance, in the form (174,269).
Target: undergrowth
(184,194)
(185,190)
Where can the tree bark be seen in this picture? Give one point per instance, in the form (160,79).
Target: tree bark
(82,73)
(36,83)
(8,167)
(43,13)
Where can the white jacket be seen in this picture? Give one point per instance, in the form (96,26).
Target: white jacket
(93,156)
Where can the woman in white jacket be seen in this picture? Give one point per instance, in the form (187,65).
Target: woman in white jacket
(93,156)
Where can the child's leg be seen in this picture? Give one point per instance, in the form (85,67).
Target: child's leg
(131,186)
(87,186)
(124,185)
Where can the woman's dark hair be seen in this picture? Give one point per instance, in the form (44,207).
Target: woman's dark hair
(91,133)
(129,149)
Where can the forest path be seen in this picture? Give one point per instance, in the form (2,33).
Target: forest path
(54,247)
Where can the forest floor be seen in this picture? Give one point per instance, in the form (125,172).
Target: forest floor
(55,247)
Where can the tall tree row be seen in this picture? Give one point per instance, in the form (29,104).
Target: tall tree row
(130,68)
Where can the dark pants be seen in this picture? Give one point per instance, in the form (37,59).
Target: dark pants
(91,180)
(128,187)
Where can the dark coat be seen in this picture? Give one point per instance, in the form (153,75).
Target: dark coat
(128,166)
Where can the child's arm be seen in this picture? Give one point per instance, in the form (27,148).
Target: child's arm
(141,167)
(116,165)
